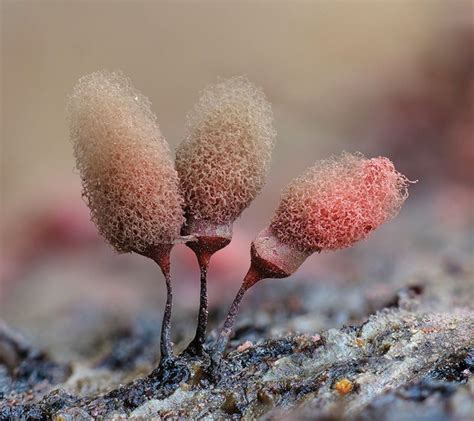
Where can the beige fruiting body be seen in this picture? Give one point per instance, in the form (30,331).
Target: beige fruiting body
(224,158)
(128,177)
(222,165)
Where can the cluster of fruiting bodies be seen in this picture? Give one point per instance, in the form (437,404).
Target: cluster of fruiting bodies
(142,202)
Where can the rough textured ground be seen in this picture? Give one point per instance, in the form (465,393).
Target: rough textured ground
(408,353)
(392,339)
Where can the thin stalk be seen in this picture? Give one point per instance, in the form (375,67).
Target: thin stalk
(196,347)
(269,259)
(162,257)
(253,276)
(208,239)
(165,343)
(224,334)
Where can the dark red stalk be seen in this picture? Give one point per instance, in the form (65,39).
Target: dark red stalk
(204,248)
(260,268)
(161,255)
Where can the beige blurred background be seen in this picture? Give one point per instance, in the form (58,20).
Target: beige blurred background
(325,65)
(379,76)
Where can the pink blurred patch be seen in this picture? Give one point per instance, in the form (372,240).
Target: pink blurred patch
(62,225)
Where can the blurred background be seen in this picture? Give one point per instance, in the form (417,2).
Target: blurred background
(387,77)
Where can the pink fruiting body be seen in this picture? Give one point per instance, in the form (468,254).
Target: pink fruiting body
(338,202)
(127,173)
(334,204)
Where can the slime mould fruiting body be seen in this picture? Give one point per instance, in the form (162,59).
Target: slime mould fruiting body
(142,202)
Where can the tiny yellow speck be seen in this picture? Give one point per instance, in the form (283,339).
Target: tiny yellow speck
(344,386)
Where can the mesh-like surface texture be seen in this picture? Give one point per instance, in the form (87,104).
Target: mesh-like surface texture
(224,158)
(128,177)
(339,201)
